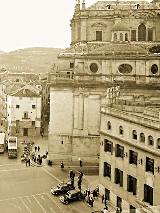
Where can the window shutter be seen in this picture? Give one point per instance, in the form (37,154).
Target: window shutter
(115,175)
(151,196)
(121,178)
(134,186)
(128,188)
(116,150)
(145,192)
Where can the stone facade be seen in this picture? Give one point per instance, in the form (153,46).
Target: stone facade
(130,143)
(24,112)
(110,46)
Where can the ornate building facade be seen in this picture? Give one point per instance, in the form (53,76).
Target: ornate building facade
(111,44)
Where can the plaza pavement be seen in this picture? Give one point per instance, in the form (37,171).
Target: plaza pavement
(89,181)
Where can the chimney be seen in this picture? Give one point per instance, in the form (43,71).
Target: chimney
(83,5)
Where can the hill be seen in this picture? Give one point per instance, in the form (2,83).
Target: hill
(36,59)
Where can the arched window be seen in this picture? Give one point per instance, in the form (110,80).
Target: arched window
(134,134)
(115,37)
(142,137)
(126,37)
(121,36)
(158,143)
(108,125)
(142,32)
(121,130)
(150,140)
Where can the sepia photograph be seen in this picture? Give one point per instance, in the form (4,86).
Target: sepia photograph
(80,106)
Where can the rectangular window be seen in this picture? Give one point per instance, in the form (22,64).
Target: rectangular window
(118,176)
(25,115)
(119,151)
(17,106)
(108,146)
(148,194)
(149,165)
(71,65)
(133,35)
(33,106)
(150,34)
(131,184)
(33,123)
(107,170)
(133,157)
(98,35)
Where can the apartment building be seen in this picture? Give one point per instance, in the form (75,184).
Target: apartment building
(130,150)
(24,111)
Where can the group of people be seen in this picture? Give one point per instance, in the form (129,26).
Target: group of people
(87,197)
(37,148)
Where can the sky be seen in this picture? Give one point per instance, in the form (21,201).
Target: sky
(36,23)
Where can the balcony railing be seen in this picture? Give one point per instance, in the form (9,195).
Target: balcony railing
(113,78)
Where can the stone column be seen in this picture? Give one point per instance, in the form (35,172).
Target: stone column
(86,111)
(81,111)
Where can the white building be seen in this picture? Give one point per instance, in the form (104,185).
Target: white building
(24,112)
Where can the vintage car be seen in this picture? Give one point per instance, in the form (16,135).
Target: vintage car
(62,188)
(70,196)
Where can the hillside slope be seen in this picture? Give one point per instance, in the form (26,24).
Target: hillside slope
(36,59)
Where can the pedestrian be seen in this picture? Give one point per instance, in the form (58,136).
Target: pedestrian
(35,148)
(70,174)
(35,159)
(80,163)
(92,201)
(38,148)
(94,194)
(62,165)
(26,162)
(84,195)
(102,198)
(88,192)
(29,162)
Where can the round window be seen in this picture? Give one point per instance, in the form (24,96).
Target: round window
(94,67)
(154,69)
(125,68)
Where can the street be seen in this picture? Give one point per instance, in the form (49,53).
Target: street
(27,189)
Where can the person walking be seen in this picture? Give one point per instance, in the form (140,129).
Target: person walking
(88,192)
(29,162)
(38,148)
(62,165)
(80,163)
(35,148)
(26,162)
(102,198)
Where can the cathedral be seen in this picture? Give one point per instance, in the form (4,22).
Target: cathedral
(114,45)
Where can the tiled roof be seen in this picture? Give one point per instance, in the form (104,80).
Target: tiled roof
(92,48)
(25,92)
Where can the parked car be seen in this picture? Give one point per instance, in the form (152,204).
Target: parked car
(61,188)
(70,196)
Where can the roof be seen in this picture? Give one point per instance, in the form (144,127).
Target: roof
(25,92)
(93,48)
(103,5)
